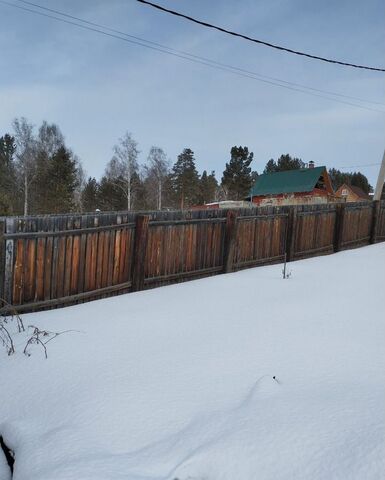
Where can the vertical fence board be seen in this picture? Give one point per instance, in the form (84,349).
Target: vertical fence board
(291,230)
(2,259)
(339,227)
(140,249)
(9,261)
(230,239)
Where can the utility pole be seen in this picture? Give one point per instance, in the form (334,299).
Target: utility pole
(380,180)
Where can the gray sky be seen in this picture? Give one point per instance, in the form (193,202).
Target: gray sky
(96,87)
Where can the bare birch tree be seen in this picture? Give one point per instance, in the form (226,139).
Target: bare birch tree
(123,165)
(157,169)
(50,138)
(25,154)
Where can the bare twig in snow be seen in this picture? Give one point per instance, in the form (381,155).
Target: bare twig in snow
(6,339)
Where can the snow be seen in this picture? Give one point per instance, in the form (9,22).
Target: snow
(177,382)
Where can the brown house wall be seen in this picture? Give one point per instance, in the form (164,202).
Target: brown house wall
(316,196)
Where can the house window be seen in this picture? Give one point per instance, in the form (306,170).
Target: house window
(344,191)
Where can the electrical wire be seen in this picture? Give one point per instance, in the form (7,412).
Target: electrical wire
(255,40)
(360,166)
(181,52)
(194,59)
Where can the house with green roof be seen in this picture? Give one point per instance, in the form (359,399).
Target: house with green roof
(293,187)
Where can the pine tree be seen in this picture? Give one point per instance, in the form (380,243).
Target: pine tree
(285,162)
(237,179)
(90,195)
(185,180)
(207,187)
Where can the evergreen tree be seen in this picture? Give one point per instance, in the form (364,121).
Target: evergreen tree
(271,166)
(356,179)
(112,195)
(360,180)
(57,177)
(90,195)
(169,200)
(138,200)
(39,195)
(254,176)
(185,180)
(62,182)
(285,162)
(207,187)
(237,179)
(8,183)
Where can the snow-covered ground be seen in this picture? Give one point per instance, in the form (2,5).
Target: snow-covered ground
(178,382)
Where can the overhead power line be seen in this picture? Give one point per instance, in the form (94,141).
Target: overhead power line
(359,166)
(87,25)
(255,40)
(205,59)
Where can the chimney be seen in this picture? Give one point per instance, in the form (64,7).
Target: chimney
(311,164)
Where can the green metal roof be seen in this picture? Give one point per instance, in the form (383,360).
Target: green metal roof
(289,181)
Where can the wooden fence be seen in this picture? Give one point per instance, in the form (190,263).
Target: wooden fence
(50,261)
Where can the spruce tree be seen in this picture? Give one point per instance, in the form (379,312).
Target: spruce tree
(8,183)
(62,182)
(207,187)
(185,180)
(112,195)
(237,179)
(90,195)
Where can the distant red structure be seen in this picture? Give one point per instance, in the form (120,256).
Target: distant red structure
(294,187)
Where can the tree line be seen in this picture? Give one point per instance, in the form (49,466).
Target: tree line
(40,174)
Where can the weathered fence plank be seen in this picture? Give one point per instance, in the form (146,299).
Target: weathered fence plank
(339,227)
(380,234)
(9,257)
(375,216)
(290,233)
(2,259)
(140,249)
(230,237)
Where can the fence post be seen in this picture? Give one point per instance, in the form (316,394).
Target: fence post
(140,247)
(230,237)
(373,227)
(9,263)
(339,226)
(290,233)
(2,259)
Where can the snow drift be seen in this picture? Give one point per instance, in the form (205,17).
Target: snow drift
(178,382)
